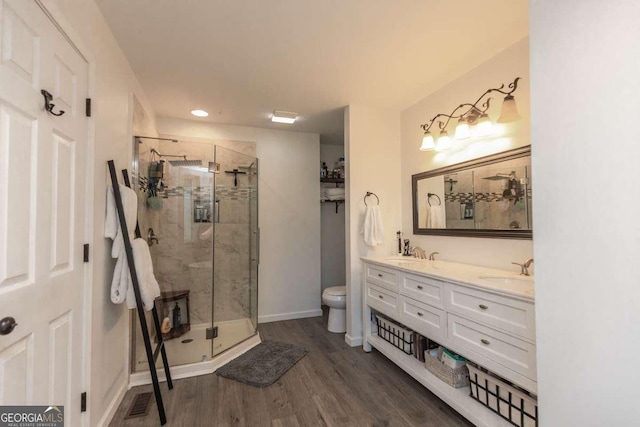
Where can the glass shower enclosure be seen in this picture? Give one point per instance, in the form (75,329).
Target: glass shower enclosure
(198,210)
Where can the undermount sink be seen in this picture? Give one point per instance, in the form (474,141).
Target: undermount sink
(400,258)
(509,280)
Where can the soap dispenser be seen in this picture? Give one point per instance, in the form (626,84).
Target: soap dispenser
(176,317)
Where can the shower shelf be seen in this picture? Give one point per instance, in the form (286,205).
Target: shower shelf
(332,180)
(165,300)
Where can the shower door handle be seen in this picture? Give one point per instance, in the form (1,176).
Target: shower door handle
(257,258)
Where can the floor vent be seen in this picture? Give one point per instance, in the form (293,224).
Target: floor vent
(140,405)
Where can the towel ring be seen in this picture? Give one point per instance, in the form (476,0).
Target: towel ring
(370,194)
(433,194)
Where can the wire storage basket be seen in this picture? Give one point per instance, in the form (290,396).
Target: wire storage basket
(394,334)
(517,407)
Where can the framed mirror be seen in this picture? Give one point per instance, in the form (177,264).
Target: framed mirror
(486,197)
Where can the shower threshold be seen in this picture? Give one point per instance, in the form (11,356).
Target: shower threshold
(182,355)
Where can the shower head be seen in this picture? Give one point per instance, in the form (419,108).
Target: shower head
(185,162)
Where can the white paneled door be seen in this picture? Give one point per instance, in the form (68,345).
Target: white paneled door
(42,211)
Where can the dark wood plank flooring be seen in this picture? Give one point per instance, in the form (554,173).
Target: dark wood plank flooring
(333,385)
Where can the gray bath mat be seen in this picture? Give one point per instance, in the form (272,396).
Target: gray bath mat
(264,364)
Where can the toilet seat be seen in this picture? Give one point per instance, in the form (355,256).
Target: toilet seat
(338,291)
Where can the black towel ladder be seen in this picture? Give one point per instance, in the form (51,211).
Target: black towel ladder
(152,355)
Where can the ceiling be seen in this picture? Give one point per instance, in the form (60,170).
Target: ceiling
(242,59)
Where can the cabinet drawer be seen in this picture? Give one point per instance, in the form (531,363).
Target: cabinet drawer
(510,315)
(425,319)
(382,277)
(508,351)
(382,300)
(423,289)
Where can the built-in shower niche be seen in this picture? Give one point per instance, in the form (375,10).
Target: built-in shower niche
(202,211)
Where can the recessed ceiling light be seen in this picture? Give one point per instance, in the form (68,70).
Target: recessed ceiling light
(284,117)
(199,113)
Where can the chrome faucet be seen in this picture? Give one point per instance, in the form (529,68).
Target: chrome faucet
(152,238)
(524,268)
(432,256)
(419,253)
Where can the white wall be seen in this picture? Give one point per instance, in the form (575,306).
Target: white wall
(585,63)
(372,155)
(112,116)
(288,199)
(502,68)
(332,228)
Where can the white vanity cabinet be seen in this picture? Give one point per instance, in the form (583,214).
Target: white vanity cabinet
(493,326)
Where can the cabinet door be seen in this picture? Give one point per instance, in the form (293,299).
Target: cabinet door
(382,300)
(424,289)
(508,351)
(507,314)
(381,276)
(424,319)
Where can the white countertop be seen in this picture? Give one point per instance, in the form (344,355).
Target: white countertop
(491,279)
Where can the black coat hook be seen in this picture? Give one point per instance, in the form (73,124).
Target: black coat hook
(48,105)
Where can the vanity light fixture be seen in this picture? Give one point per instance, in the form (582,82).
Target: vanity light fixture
(287,117)
(199,113)
(471,115)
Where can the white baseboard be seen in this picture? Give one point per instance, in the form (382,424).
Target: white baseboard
(195,369)
(352,341)
(113,406)
(289,316)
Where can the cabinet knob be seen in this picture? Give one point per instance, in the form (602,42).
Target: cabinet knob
(420,314)
(485,342)
(483,307)
(419,287)
(379,275)
(380,296)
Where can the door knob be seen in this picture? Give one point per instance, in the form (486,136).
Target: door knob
(7,325)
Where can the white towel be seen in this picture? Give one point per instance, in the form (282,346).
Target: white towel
(372,227)
(434,217)
(332,194)
(149,289)
(112,223)
(122,285)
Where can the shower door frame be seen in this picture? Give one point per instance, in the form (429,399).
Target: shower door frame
(254,249)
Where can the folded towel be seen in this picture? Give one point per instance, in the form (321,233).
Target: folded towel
(112,223)
(435,218)
(372,227)
(122,285)
(334,191)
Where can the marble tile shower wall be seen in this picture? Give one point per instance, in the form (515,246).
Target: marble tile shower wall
(183,257)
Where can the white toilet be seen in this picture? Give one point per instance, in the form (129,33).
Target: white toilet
(336,298)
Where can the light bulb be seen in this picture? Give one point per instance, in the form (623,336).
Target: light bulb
(444,141)
(484,127)
(462,129)
(428,144)
(509,112)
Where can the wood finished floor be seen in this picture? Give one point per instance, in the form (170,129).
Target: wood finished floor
(333,385)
